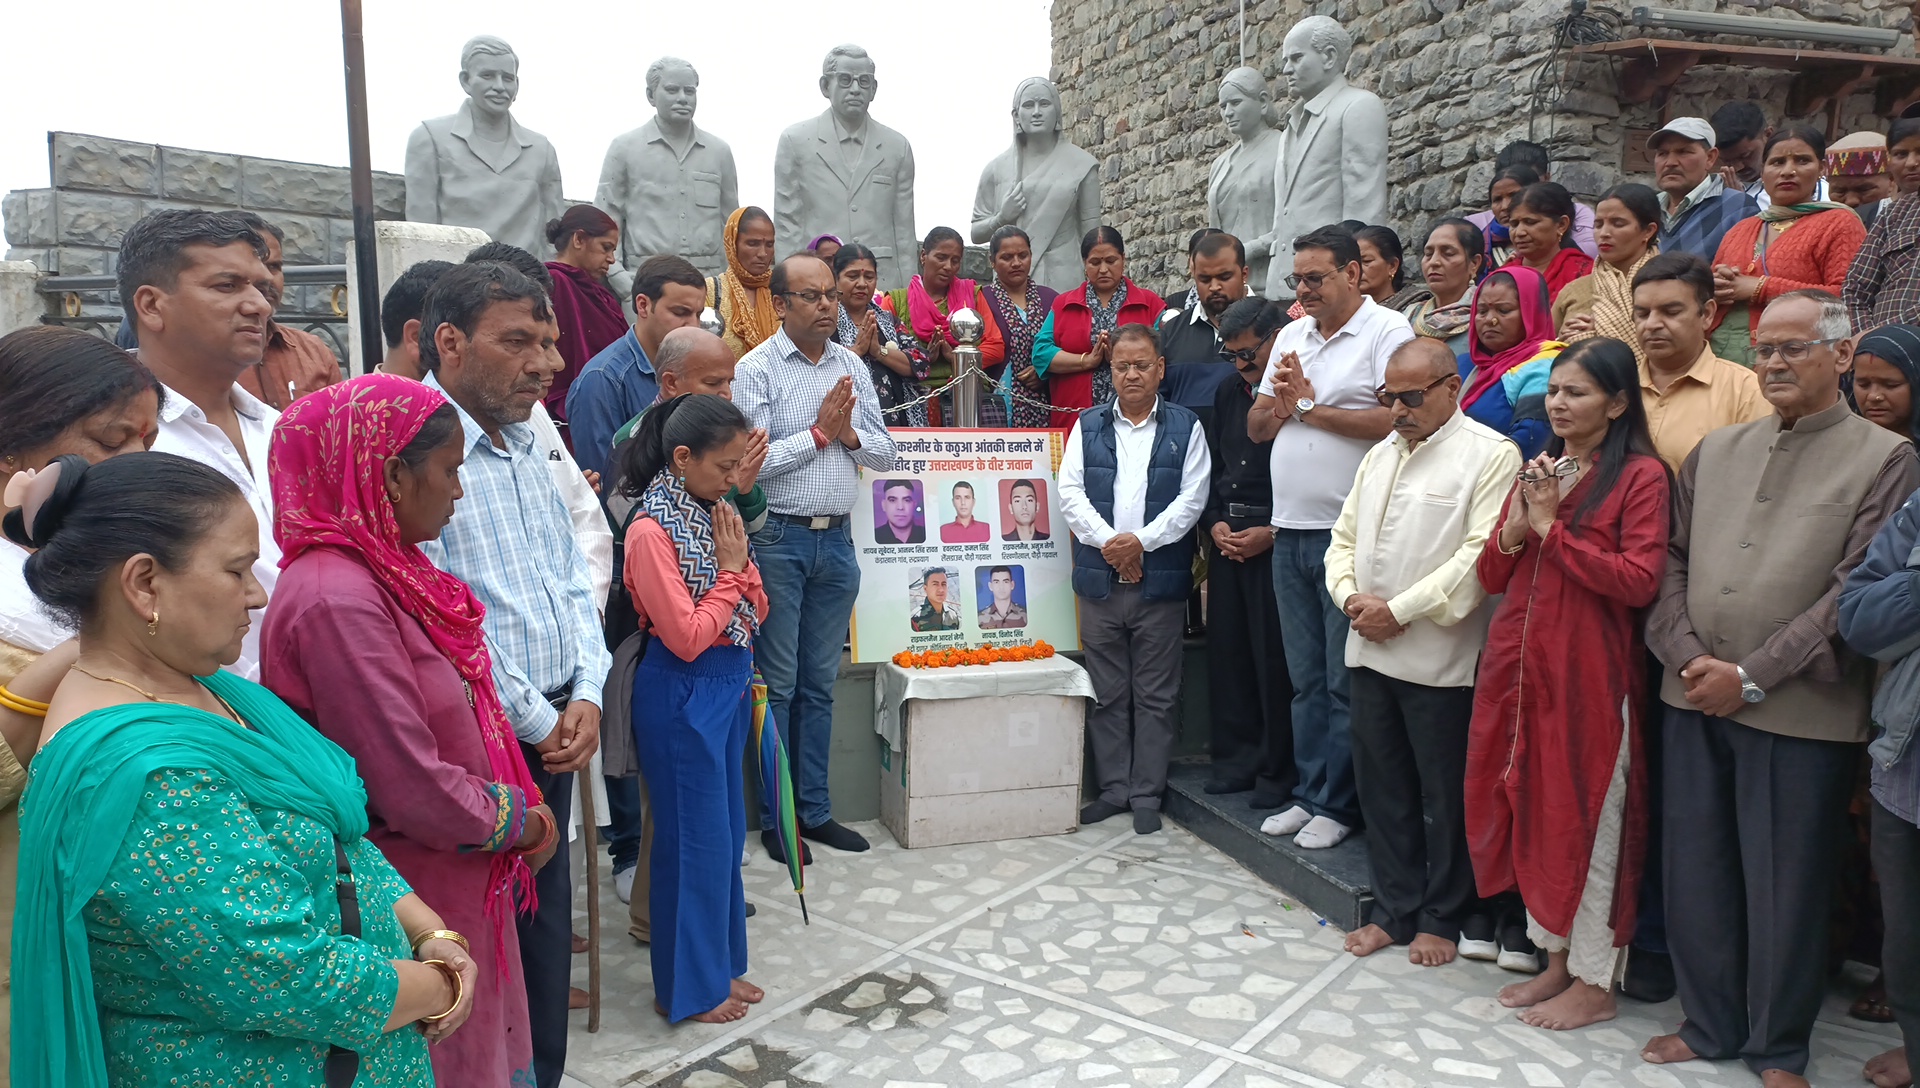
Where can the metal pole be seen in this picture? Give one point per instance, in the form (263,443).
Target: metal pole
(359,161)
(967,330)
(1243,33)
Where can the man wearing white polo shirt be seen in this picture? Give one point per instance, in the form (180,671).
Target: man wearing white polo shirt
(1317,406)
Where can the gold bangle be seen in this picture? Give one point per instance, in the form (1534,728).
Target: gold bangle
(20,704)
(459,990)
(441,934)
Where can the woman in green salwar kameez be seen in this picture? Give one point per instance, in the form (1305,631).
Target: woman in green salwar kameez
(178,920)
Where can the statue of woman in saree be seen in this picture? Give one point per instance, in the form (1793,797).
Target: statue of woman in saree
(1240,185)
(1043,184)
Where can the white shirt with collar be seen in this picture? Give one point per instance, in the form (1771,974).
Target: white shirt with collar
(185,431)
(1313,469)
(590,529)
(1133,453)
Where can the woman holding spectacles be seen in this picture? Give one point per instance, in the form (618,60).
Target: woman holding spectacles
(740,294)
(1511,349)
(1072,348)
(1555,787)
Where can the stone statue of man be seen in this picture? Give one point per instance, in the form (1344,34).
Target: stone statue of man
(669,184)
(845,174)
(1240,185)
(1333,156)
(1043,184)
(477,167)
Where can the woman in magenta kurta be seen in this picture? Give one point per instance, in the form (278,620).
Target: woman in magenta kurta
(586,241)
(383,654)
(1555,781)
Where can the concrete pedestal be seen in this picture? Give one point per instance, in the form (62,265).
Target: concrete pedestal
(399,245)
(984,769)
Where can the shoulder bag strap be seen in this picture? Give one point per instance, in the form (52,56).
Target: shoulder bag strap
(343,1065)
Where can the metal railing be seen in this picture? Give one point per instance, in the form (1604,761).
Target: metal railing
(91,302)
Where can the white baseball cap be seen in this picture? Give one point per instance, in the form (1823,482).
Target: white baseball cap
(1693,128)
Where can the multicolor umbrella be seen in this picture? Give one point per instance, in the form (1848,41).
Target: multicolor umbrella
(776,785)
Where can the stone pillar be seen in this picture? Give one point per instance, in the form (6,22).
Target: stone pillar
(20,303)
(399,246)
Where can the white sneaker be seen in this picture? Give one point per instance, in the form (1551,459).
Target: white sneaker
(746,855)
(623,884)
(1286,823)
(1320,833)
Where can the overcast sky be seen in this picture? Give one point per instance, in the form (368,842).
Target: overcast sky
(265,79)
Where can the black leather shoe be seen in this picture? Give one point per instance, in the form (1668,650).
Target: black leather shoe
(1096,811)
(1264,799)
(750,911)
(1146,821)
(1234,785)
(771,840)
(836,835)
(1649,976)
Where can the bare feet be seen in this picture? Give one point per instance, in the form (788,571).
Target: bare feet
(725,1012)
(578,998)
(1545,986)
(1431,951)
(579,944)
(1577,1006)
(1367,940)
(1780,1078)
(1889,1070)
(747,992)
(1667,1050)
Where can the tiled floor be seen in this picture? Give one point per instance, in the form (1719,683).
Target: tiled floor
(1101,959)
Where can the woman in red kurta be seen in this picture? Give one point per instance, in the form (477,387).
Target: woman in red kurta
(1555,783)
(589,314)
(1542,234)
(1796,243)
(383,653)
(927,305)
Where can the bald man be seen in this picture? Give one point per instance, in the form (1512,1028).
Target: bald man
(1401,566)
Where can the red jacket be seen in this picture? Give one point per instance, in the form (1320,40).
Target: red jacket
(1073,331)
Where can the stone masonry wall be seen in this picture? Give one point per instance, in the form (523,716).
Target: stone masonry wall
(102,186)
(1139,83)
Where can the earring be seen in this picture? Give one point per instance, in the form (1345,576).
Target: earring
(153,625)
(392,499)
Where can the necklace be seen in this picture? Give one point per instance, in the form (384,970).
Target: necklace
(152,698)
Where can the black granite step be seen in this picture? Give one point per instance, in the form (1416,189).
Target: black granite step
(1332,883)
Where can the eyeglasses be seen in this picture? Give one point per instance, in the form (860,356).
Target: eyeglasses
(1313,280)
(1565,466)
(844,81)
(1793,351)
(813,298)
(1247,355)
(1132,368)
(1412,398)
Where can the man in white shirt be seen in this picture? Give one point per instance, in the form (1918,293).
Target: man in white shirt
(193,285)
(1317,407)
(1401,566)
(1133,479)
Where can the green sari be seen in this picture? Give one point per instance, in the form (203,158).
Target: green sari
(177,921)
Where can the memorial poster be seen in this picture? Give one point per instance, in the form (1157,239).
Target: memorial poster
(962,544)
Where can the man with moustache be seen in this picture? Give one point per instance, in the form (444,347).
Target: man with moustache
(486,340)
(1190,337)
(1402,567)
(1766,709)
(1133,478)
(1697,207)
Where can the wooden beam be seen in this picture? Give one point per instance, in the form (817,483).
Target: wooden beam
(1644,78)
(1819,89)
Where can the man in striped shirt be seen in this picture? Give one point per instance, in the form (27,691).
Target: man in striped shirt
(822,418)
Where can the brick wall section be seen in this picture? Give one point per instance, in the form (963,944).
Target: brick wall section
(1140,80)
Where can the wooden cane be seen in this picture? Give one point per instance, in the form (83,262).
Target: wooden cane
(590,832)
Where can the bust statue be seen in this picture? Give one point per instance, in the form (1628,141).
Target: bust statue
(1043,184)
(1240,185)
(477,167)
(845,174)
(669,184)
(1333,155)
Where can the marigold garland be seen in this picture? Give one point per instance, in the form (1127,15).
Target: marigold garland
(982,655)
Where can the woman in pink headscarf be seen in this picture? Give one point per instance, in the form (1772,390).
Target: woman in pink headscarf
(1510,350)
(383,653)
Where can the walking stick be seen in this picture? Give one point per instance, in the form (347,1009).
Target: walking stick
(590,833)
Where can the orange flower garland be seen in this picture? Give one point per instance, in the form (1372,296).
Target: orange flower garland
(960,655)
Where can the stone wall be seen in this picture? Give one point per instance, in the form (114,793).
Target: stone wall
(1140,80)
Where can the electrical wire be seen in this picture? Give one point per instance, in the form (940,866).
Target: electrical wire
(1584,24)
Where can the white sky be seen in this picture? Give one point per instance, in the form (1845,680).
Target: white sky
(163,71)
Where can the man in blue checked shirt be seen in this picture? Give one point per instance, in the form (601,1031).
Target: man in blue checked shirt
(485,341)
(822,419)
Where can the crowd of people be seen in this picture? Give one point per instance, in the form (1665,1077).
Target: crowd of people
(1561,567)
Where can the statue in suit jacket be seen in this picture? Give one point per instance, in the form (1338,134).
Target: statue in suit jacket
(843,173)
(1333,154)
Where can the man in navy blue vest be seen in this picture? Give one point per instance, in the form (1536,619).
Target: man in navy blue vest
(1133,480)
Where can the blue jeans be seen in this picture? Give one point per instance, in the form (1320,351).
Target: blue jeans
(1313,632)
(811,578)
(623,815)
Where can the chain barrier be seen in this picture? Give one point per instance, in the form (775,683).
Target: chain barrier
(991,385)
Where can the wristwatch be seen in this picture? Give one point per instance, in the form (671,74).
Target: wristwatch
(1302,406)
(1749,691)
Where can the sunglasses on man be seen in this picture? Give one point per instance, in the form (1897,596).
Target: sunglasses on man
(1412,398)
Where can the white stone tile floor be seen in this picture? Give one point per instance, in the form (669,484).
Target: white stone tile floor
(1102,959)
